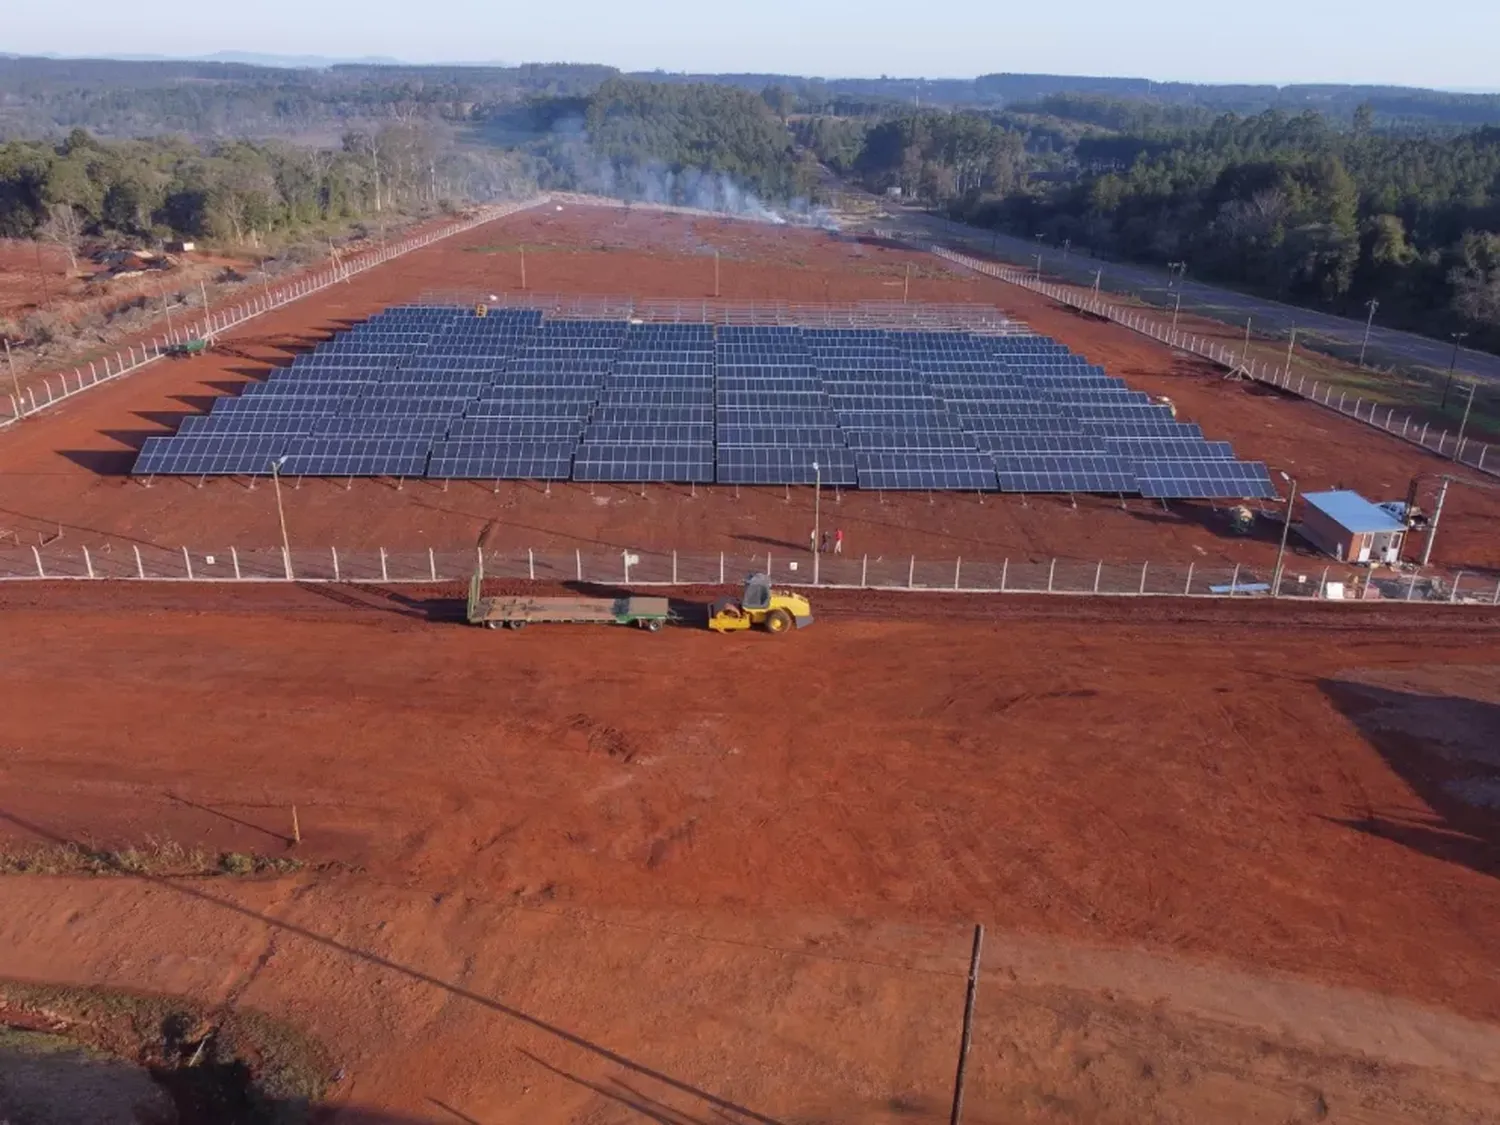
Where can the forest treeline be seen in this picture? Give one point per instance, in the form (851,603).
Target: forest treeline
(1286,205)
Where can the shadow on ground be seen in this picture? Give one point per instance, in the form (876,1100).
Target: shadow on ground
(1447,748)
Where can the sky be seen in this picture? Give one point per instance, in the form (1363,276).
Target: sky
(1447,44)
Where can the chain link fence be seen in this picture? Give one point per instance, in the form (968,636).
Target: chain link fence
(634,569)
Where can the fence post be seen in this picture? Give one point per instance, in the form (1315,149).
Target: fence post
(1322,583)
(1234,580)
(531,564)
(335,551)
(384,577)
(432,564)
(1144,565)
(187,562)
(957,568)
(674,568)
(234,557)
(36,554)
(1188,589)
(1342,396)
(1004,570)
(140,569)
(1453,593)
(88,562)
(864,570)
(911,574)
(721,568)
(1098,574)
(578,564)
(1051,573)
(1411,587)
(1496,599)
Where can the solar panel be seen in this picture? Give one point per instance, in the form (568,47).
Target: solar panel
(213,454)
(487,459)
(920,469)
(247,423)
(642,463)
(783,465)
(1170,448)
(362,456)
(1207,480)
(790,436)
(650,433)
(518,429)
(1066,472)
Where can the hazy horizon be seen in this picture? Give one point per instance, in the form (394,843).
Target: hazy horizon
(1279,42)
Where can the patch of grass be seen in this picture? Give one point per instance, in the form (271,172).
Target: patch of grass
(162,858)
(226,1067)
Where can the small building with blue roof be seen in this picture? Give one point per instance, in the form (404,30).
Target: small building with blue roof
(1352,529)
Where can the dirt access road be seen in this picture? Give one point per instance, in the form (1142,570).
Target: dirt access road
(1236,861)
(67,469)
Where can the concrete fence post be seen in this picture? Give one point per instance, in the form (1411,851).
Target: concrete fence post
(88,563)
(1322,582)
(1496,599)
(531,565)
(864,571)
(911,574)
(1187,590)
(721,568)
(1004,570)
(1453,593)
(335,552)
(1098,574)
(1423,439)
(1144,565)
(234,557)
(37,554)
(578,564)
(1234,581)
(957,568)
(187,563)
(1051,574)
(674,568)
(140,568)
(432,564)
(1342,396)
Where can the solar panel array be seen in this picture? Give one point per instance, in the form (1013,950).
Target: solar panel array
(443,393)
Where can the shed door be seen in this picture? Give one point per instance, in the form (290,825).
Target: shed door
(1364,550)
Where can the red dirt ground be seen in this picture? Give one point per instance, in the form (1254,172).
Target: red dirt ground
(692,878)
(66,470)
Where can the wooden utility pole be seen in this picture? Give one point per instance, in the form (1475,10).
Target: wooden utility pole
(716,273)
(523,269)
(906,288)
(963,1050)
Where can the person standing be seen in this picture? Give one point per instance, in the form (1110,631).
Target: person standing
(838,541)
(812,541)
(824,547)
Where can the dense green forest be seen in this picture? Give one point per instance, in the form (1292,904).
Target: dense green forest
(1283,204)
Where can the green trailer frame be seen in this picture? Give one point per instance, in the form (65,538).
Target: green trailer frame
(518,612)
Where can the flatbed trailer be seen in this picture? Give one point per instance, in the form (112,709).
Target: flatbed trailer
(518,612)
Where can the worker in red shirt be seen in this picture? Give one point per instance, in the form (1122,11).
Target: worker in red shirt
(838,541)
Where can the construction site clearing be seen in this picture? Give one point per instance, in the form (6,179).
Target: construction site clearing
(1238,860)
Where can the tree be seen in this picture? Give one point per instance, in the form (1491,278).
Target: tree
(1476,280)
(64,228)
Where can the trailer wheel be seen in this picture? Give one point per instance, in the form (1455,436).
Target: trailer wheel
(778,621)
(492,624)
(518,623)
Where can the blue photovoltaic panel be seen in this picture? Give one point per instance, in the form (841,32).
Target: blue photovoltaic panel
(665,463)
(428,427)
(650,433)
(483,459)
(812,436)
(1064,472)
(1040,443)
(1122,428)
(919,469)
(1208,480)
(213,454)
(518,429)
(783,465)
(1170,449)
(657,414)
(909,439)
(357,457)
(247,423)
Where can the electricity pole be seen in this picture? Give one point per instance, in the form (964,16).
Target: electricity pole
(286,550)
(1176,309)
(1432,525)
(1365,343)
(1291,342)
(817,518)
(1286,529)
(1458,450)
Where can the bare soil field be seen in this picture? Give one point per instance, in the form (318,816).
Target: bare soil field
(66,471)
(1238,862)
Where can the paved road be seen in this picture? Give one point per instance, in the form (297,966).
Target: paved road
(1388,347)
